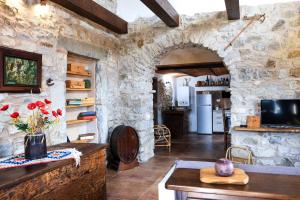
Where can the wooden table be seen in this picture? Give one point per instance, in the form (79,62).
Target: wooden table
(59,180)
(187,185)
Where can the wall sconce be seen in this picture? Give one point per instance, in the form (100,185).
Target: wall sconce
(43,2)
(35,2)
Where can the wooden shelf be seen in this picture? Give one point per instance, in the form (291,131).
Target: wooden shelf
(213,86)
(274,130)
(84,89)
(75,121)
(80,106)
(79,74)
(81,141)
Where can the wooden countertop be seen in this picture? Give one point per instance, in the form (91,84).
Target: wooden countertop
(268,186)
(13,176)
(275,130)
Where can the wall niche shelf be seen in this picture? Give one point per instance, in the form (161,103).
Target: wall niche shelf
(79,74)
(83,89)
(81,68)
(265,130)
(79,106)
(75,121)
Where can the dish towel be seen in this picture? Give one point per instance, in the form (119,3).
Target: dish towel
(55,155)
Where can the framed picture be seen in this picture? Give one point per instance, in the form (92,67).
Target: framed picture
(20,71)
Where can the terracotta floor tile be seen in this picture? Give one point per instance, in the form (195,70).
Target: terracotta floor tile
(141,183)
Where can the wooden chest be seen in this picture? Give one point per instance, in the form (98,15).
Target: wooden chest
(59,180)
(74,84)
(76,68)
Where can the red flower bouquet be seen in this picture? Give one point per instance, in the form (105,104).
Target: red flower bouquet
(39,120)
(34,126)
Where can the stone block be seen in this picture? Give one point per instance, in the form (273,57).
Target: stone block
(278,25)
(283,150)
(295,72)
(264,151)
(271,63)
(294,54)
(6,147)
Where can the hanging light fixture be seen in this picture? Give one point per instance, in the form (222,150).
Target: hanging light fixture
(43,2)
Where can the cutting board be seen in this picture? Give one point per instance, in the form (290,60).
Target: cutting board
(208,175)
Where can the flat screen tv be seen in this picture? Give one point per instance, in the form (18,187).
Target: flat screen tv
(280,113)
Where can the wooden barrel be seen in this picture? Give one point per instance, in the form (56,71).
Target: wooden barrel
(124,144)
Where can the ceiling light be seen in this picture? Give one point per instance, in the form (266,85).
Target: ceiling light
(43,2)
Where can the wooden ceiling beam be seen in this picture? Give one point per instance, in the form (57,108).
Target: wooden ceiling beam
(191,66)
(164,10)
(233,9)
(96,13)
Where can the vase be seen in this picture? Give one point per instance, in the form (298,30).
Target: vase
(35,146)
(224,167)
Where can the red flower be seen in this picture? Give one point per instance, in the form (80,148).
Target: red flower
(47,101)
(14,115)
(59,112)
(40,104)
(54,113)
(31,106)
(4,108)
(45,112)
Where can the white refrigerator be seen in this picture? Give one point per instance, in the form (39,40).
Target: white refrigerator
(204,114)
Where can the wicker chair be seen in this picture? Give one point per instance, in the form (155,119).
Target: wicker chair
(247,159)
(162,136)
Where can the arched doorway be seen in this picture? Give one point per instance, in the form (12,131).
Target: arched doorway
(193,84)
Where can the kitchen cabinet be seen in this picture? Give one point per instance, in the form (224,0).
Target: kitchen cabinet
(177,122)
(218,121)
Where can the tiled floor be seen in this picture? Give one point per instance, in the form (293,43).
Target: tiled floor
(141,182)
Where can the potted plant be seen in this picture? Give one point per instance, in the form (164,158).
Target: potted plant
(34,125)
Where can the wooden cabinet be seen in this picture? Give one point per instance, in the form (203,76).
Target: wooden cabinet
(59,180)
(177,122)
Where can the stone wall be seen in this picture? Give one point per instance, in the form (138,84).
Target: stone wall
(264,63)
(53,33)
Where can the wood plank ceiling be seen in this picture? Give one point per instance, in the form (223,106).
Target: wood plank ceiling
(194,69)
(162,8)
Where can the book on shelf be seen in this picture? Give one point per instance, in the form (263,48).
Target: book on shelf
(78,102)
(87,136)
(87,118)
(72,102)
(88,113)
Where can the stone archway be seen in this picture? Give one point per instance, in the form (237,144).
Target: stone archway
(145,59)
(181,56)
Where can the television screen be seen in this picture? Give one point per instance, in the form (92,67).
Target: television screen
(280,113)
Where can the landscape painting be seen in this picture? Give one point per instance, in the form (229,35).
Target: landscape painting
(18,71)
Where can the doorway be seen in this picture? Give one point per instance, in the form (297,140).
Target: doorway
(193,84)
